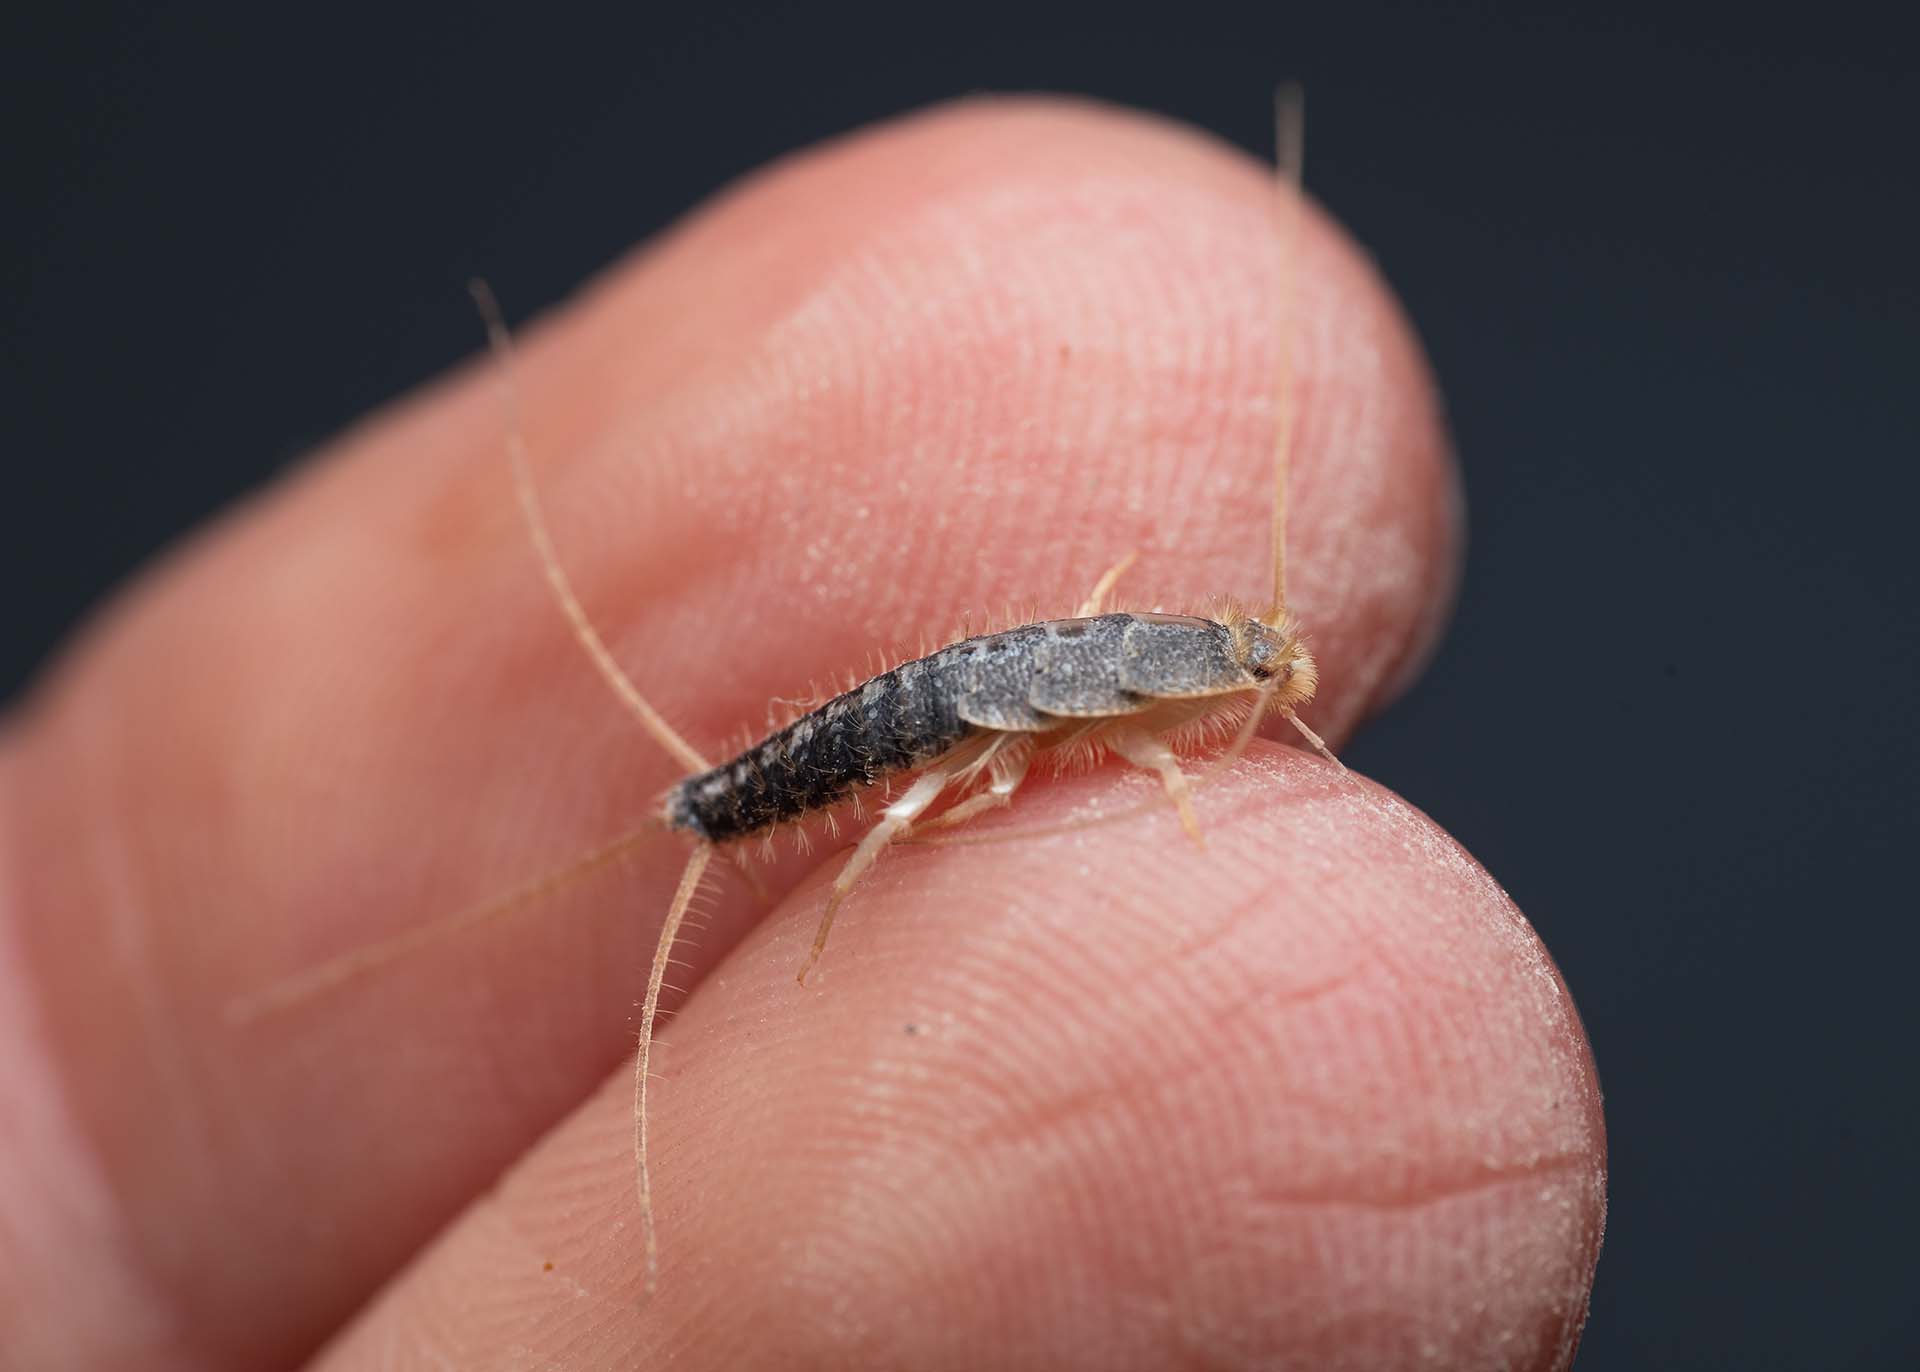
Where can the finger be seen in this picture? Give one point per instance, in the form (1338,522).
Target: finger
(957,362)
(1314,1097)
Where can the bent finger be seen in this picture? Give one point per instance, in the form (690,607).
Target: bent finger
(966,359)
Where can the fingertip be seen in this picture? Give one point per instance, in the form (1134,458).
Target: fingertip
(1316,1091)
(1313,1095)
(1038,329)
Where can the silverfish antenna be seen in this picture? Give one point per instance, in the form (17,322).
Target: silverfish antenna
(1289,156)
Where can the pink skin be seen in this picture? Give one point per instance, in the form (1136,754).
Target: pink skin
(1311,1096)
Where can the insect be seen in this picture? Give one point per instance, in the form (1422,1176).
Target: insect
(965,724)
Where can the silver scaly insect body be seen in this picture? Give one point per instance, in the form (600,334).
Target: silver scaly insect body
(1037,686)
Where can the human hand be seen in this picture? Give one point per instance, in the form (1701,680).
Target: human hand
(1312,1095)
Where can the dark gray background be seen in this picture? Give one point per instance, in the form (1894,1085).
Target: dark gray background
(1663,260)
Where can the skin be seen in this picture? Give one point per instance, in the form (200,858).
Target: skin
(1313,1095)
